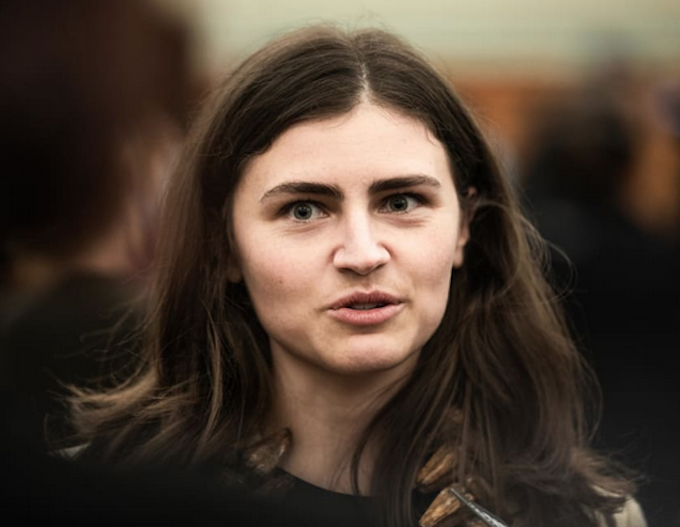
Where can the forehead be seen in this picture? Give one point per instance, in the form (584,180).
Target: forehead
(369,142)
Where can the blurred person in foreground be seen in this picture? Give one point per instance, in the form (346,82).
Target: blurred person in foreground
(93,97)
(619,275)
(351,315)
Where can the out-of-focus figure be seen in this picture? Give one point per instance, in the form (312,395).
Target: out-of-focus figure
(620,274)
(93,99)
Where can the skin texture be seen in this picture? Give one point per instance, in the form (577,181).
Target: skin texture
(298,262)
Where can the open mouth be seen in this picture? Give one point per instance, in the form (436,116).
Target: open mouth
(365,301)
(366,307)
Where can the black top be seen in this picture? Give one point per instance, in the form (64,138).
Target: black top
(344,509)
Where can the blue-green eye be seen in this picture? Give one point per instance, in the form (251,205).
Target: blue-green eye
(401,203)
(303,211)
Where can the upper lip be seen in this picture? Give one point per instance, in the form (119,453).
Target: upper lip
(362,297)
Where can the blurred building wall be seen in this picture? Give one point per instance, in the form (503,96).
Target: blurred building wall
(482,35)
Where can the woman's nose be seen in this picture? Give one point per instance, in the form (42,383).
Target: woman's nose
(359,249)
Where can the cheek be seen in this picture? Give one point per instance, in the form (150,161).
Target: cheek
(436,259)
(273,276)
(266,274)
(433,270)
(268,290)
(437,284)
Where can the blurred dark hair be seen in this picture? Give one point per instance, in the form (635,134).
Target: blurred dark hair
(77,78)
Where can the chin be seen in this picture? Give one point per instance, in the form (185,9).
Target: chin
(366,362)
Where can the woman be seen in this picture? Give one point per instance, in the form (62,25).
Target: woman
(349,302)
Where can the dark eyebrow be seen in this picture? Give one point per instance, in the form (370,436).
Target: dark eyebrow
(304,187)
(403,182)
(322,189)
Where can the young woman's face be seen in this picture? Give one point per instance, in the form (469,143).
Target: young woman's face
(348,230)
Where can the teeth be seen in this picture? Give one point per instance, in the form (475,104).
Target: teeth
(364,307)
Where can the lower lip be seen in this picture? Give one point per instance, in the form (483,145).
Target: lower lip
(366,317)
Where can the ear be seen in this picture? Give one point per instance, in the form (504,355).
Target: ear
(467,213)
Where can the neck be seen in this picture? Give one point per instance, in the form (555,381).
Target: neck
(327,414)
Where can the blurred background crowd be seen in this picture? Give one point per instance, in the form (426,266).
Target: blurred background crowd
(581,103)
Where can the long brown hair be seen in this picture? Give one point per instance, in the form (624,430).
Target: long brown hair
(501,358)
